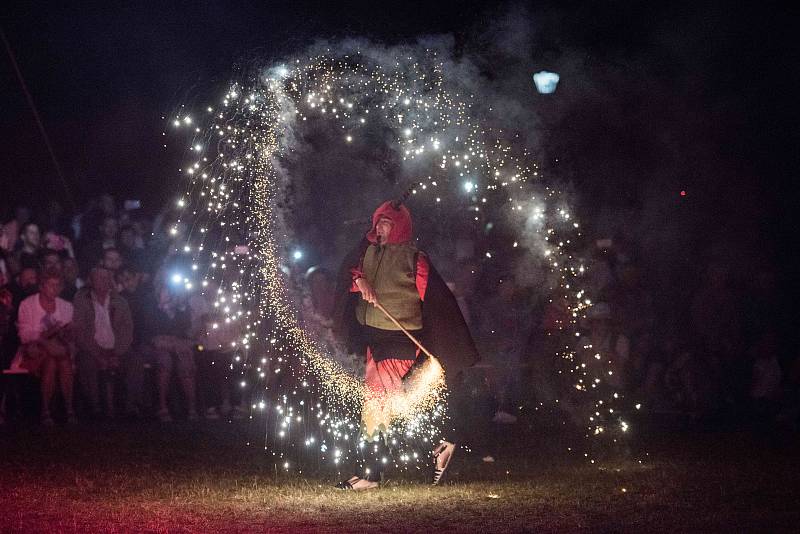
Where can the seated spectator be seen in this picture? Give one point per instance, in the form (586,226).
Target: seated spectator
(60,244)
(111,260)
(103,334)
(170,323)
(71,281)
(44,323)
(29,254)
(141,302)
(24,285)
(6,312)
(51,261)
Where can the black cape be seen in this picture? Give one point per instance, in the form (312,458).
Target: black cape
(445,332)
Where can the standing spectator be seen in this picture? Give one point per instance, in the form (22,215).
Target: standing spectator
(543,347)
(601,267)
(216,339)
(29,255)
(633,308)
(466,276)
(142,228)
(5,267)
(92,251)
(717,318)
(57,219)
(129,245)
(46,352)
(506,323)
(11,230)
(609,345)
(103,333)
(108,233)
(92,219)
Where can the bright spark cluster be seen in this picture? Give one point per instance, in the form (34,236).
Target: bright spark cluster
(239,235)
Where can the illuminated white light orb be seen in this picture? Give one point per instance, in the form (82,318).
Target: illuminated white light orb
(546,82)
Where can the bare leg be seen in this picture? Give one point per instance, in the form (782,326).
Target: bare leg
(442,455)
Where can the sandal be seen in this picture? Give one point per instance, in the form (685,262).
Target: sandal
(351,484)
(438,472)
(347,484)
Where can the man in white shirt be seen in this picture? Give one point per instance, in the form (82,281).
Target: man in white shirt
(103,332)
(44,322)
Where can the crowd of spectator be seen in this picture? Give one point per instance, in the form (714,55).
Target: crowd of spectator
(709,352)
(87,310)
(88,303)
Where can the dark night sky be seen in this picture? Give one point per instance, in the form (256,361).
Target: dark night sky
(103,77)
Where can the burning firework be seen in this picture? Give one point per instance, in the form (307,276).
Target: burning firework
(242,236)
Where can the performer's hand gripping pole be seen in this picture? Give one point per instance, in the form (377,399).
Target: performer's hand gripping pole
(406,332)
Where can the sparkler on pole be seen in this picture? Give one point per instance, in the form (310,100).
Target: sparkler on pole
(440,136)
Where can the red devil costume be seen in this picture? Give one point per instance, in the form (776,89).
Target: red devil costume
(412,291)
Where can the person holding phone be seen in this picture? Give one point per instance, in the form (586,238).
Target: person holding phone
(44,324)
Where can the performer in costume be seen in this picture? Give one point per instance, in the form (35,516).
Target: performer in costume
(387,268)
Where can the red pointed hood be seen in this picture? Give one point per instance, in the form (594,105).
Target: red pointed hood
(401,217)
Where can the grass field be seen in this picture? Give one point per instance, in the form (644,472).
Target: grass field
(182,478)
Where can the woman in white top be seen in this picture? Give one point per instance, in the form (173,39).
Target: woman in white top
(46,352)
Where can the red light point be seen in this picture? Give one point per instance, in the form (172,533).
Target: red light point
(683,193)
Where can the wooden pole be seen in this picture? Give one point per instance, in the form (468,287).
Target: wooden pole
(406,332)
